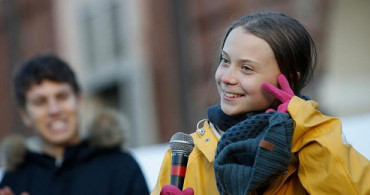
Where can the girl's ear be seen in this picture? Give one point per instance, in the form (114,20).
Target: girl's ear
(299,75)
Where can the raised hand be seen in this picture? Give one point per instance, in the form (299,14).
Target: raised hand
(173,190)
(7,191)
(284,95)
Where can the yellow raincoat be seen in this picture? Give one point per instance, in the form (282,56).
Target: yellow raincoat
(321,163)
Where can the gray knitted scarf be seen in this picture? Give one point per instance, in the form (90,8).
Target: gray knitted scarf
(251,152)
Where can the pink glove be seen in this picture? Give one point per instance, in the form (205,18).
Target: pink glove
(173,190)
(284,95)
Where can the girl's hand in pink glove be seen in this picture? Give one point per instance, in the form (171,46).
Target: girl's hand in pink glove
(173,190)
(284,95)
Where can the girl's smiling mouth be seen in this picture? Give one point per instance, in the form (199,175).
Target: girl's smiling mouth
(231,95)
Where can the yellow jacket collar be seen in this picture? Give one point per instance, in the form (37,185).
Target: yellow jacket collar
(206,141)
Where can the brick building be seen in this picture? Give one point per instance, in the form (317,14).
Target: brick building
(151,60)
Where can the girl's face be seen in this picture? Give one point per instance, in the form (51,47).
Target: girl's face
(247,61)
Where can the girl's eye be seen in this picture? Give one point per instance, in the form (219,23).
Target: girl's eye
(224,60)
(246,68)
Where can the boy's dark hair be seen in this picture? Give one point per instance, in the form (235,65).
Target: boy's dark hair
(292,45)
(40,68)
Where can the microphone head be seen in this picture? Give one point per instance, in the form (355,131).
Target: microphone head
(181,143)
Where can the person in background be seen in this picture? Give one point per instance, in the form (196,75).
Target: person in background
(58,160)
(265,137)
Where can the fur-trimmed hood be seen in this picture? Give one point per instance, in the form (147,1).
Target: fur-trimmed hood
(105,131)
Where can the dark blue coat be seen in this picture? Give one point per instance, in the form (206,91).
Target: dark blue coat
(85,170)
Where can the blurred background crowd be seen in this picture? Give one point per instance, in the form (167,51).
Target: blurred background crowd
(153,61)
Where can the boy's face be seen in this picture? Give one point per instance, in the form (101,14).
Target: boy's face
(247,62)
(52,110)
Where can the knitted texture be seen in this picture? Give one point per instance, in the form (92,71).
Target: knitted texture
(224,121)
(241,165)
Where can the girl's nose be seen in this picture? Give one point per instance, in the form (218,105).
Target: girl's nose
(230,76)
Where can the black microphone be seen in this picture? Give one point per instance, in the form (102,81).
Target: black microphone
(181,145)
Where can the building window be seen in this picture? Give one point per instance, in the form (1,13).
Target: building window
(101,32)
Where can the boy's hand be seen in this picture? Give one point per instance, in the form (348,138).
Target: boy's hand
(7,191)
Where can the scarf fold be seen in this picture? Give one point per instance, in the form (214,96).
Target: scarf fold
(224,121)
(254,149)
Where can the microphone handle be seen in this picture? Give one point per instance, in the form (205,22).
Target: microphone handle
(178,170)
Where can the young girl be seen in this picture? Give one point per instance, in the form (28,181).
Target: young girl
(246,146)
